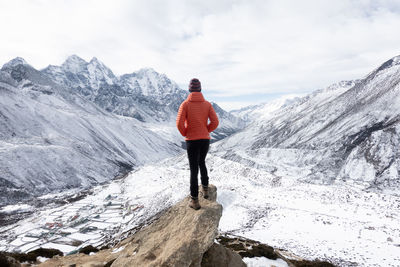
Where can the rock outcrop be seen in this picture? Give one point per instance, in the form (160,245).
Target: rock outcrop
(14,259)
(248,248)
(220,256)
(180,237)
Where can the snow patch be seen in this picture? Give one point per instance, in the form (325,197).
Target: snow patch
(16,208)
(264,262)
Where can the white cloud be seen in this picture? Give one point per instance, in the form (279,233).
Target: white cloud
(234,47)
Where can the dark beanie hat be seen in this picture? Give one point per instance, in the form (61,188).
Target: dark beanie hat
(194,85)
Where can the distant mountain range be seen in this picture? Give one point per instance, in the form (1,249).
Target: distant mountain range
(145,95)
(76,125)
(346,132)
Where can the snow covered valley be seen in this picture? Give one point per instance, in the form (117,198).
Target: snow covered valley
(343,223)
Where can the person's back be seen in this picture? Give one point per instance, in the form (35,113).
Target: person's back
(192,122)
(198,111)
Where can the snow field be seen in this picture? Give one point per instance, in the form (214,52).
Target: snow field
(337,222)
(340,222)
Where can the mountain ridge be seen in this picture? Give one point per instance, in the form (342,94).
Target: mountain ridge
(145,94)
(336,127)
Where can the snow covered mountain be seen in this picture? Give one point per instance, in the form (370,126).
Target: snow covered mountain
(52,139)
(229,123)
(349,131)
(264,110)
(146,95)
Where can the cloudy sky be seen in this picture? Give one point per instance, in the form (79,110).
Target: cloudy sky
(243,51)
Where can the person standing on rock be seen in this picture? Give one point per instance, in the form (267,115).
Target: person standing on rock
(196,120)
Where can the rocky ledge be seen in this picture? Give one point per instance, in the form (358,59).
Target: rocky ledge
(180,237)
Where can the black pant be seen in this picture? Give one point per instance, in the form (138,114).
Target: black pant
(197,152)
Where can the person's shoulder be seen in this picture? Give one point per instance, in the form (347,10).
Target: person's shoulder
(184,103)
(208,103)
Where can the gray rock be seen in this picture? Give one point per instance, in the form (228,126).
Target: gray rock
(7,261)
(220,256)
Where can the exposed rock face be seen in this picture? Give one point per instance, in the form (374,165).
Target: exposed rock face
(180,237)
(16,258)
(248,248)
(220,256)
(8,261)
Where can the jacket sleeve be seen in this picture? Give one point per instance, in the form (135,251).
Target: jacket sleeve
(181,119)
(213,119)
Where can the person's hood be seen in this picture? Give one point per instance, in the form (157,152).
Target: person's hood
(196,97)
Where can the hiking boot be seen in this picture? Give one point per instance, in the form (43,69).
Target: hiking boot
(205,191)
(194,203)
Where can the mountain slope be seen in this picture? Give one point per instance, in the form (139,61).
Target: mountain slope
(264,110)
(51,138)
(349,131)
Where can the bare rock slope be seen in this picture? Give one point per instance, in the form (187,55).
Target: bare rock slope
(180,237)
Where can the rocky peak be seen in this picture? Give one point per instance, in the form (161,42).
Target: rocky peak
(180,237)
(14,62)
(75,73)
(95,68)
(74,64)
(339,85)
(384,68)
(390,63)
(20,70)
(151,82)
(100,65)
(98,71)
(147,71)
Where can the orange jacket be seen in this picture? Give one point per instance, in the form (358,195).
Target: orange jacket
(193,115)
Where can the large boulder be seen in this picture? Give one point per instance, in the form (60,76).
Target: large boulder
(180,237)
(220,256)
(7,261)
